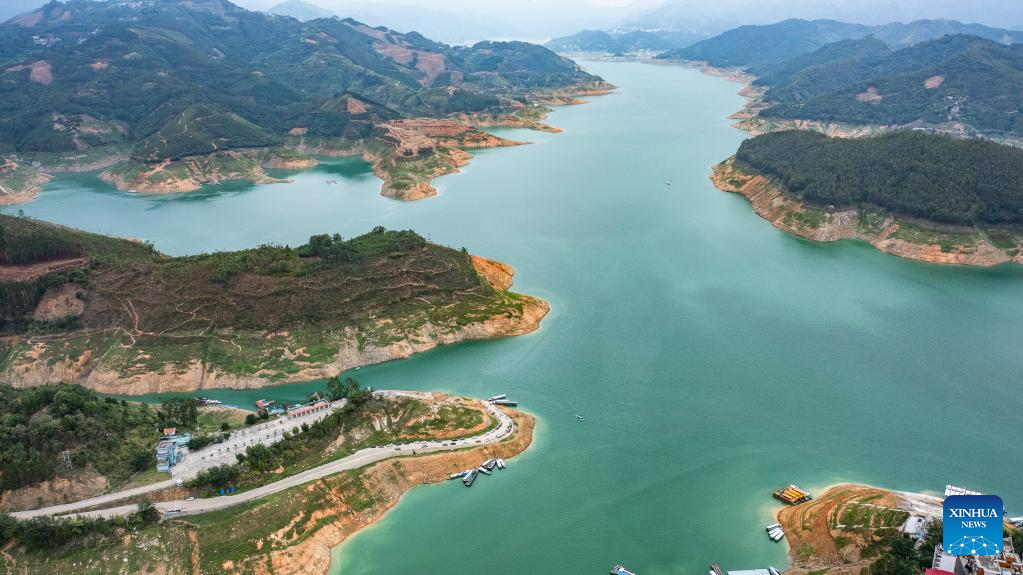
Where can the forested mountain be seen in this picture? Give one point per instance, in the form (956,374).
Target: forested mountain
(955,79)
(838,58)
(932,177)
(755,46)
(615,42)
(168,78)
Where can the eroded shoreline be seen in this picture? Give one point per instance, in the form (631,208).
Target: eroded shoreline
(32,368)
(884,232)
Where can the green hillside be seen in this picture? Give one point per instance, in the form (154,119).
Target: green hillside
(930,177)
(118,306)
(166,79)
(955,79)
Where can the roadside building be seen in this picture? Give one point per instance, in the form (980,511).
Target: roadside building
(314,407)
(167,455)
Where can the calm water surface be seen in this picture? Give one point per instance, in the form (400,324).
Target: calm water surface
(713,357)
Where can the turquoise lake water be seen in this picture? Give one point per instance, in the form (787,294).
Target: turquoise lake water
(713,357)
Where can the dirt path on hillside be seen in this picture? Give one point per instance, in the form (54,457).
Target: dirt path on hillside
(31,272)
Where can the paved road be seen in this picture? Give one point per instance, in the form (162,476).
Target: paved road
(354,461)
(196,461)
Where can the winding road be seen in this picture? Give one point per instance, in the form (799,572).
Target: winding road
(264,433)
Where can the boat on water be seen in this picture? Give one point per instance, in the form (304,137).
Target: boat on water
(457,475)
(469,478)
(773,570)
(490,464)
(505,402)
(619,570)
(482,469)
(500,463)
(773,526)
(778,536)
(579,417)
(496,397)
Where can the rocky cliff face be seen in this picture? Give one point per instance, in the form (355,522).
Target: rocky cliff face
(790,215)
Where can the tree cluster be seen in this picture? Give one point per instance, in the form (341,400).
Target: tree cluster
(927,176)
(38,424)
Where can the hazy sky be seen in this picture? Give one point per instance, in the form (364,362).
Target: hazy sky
(544,17)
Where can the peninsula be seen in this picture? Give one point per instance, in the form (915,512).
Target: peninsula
(918,196)
(116,316)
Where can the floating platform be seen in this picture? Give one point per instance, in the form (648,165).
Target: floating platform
(792,495)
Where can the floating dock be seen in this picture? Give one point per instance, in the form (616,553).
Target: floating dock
(792,494)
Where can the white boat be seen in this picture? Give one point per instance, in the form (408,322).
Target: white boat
(482,469)
(500,463)
(496,397)
(778,536)
(773,570)
(579,417)
(774,526)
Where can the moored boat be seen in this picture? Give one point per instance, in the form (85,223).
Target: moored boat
(469,478)
(497,397)
(500,463)
(619,570)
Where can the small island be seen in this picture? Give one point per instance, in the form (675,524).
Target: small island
(117,316)
(919,196)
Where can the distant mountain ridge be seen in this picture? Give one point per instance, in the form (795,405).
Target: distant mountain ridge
(300,10)
(624,42)
(753,46)
(439,24)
